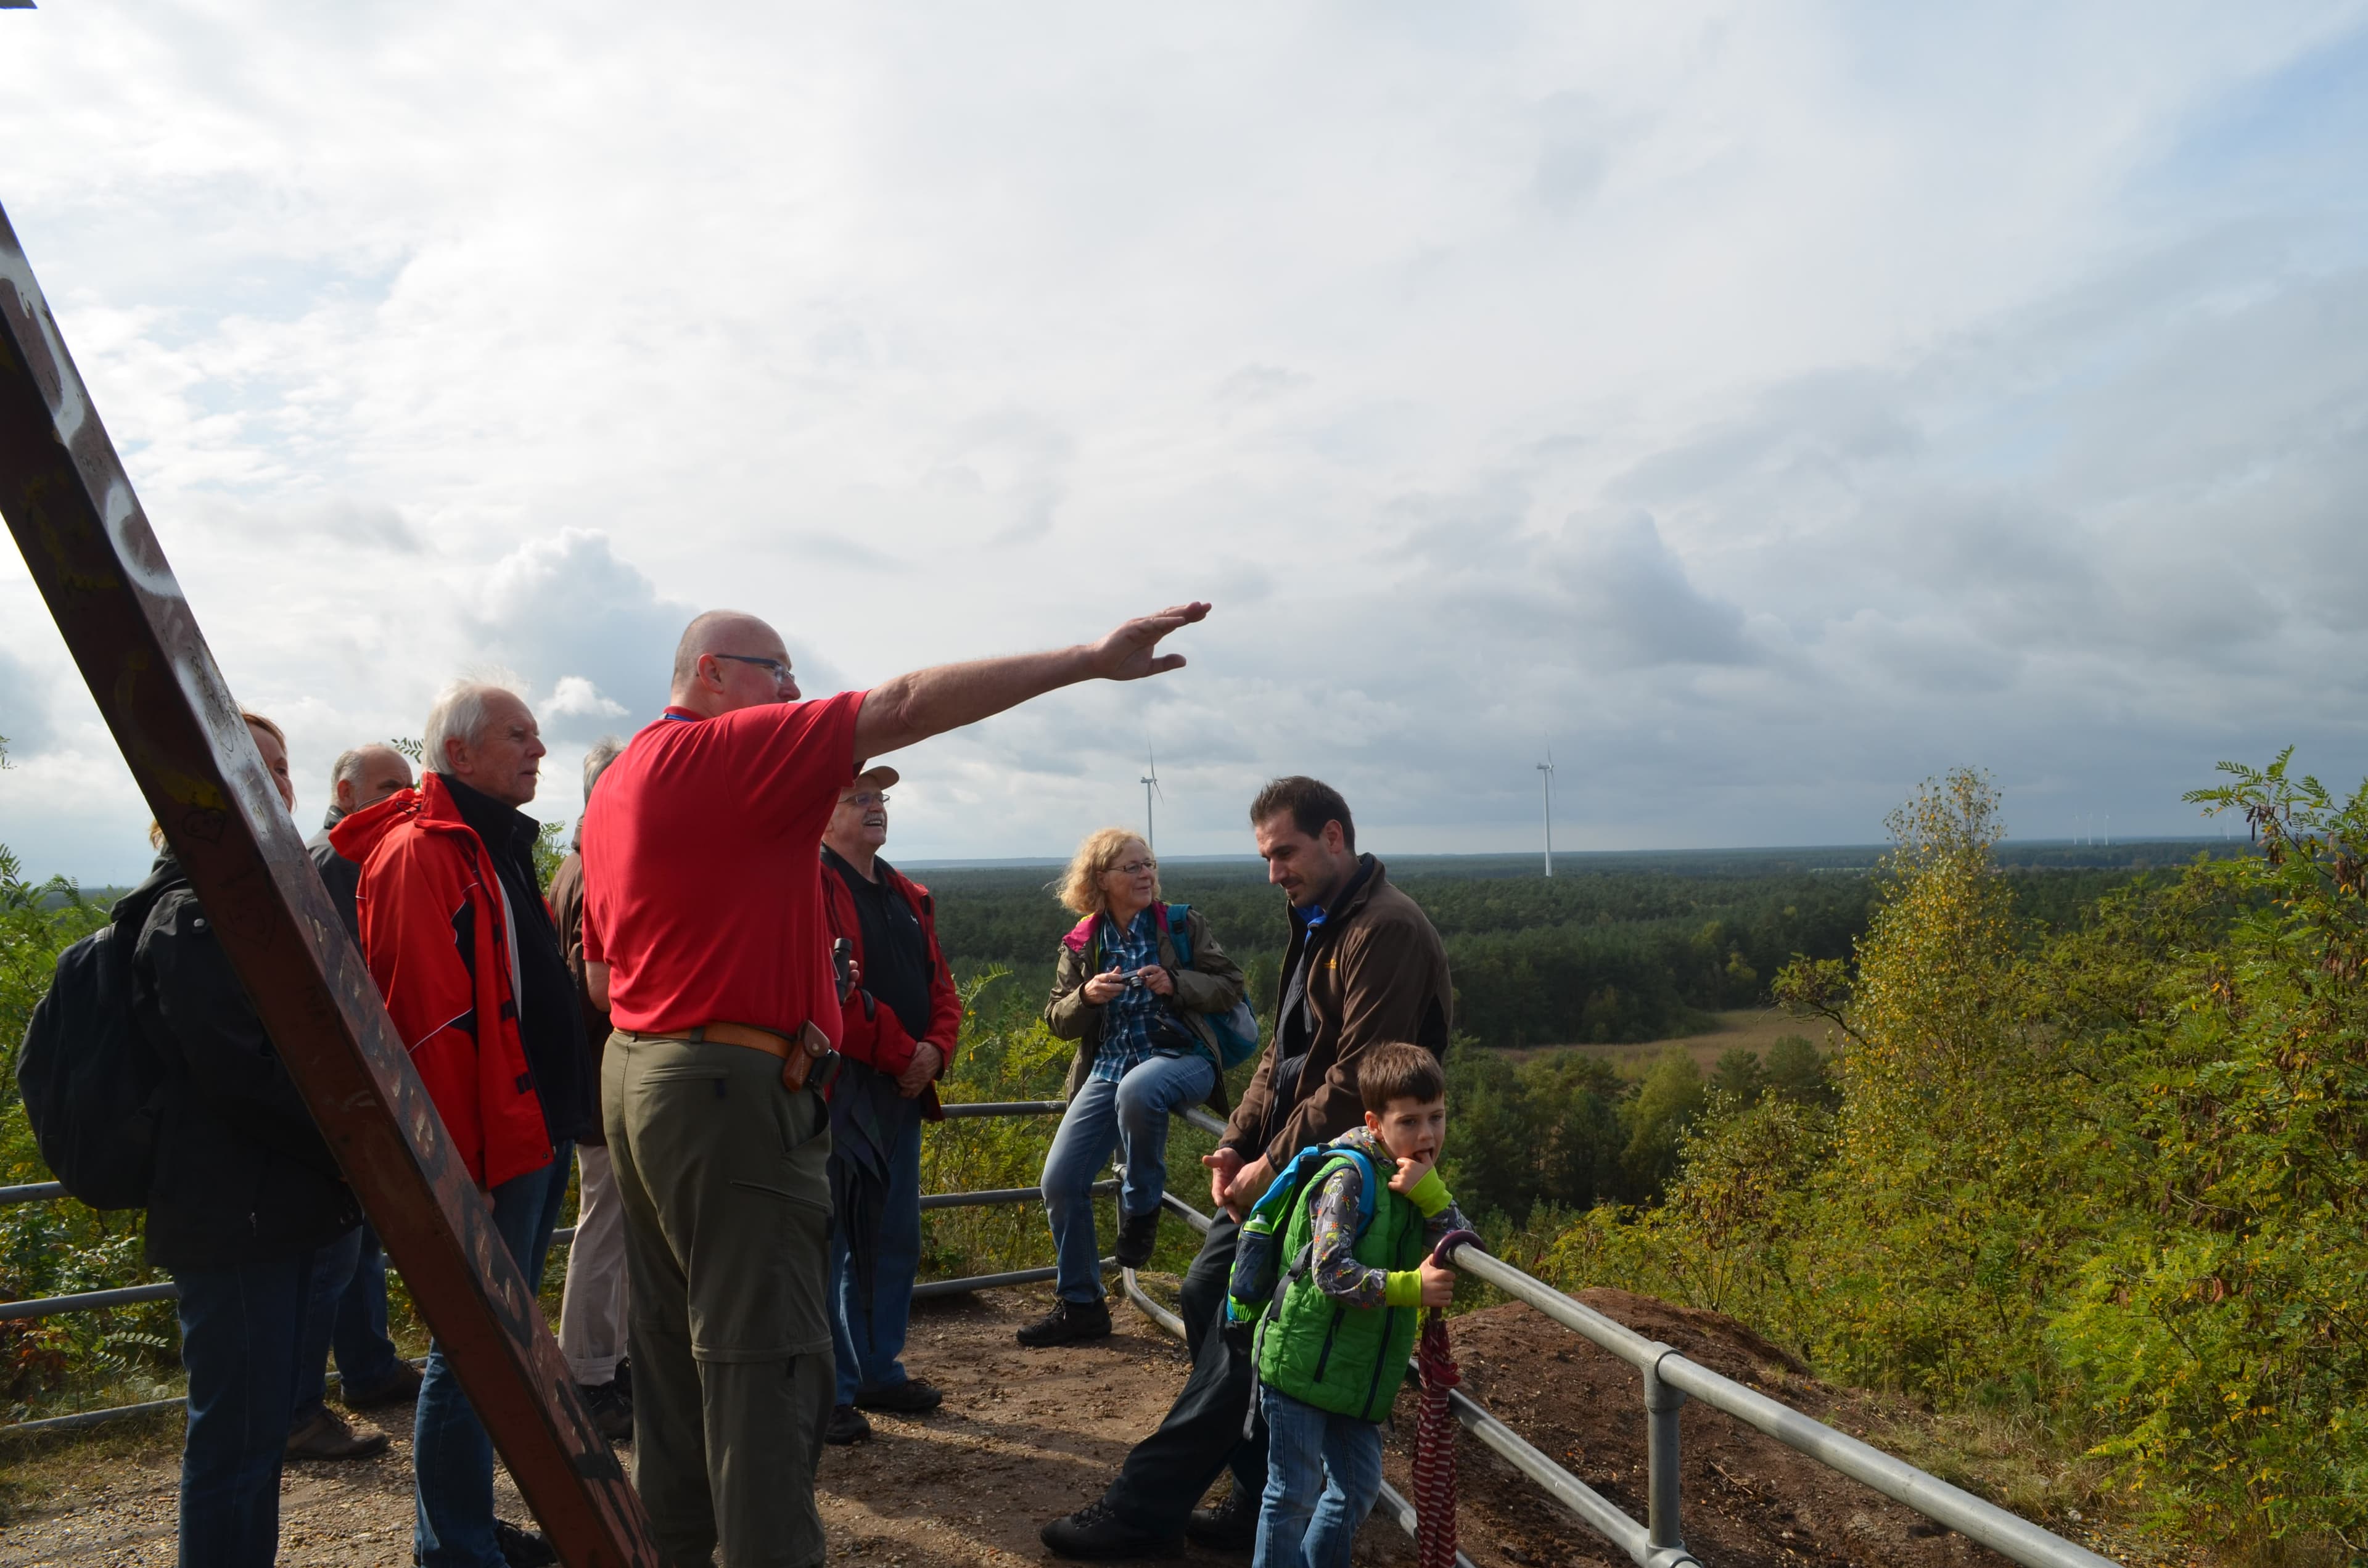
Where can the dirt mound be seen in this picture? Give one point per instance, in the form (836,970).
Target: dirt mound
(1751,1502)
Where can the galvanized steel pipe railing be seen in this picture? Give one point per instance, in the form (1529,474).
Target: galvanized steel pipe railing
(1670,1378)
(164,1290)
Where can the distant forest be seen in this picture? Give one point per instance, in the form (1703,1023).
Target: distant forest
(1615,948)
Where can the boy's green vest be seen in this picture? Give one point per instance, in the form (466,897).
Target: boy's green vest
(1323,1352)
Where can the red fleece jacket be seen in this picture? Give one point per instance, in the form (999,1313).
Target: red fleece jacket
(872,1034)
(435,937)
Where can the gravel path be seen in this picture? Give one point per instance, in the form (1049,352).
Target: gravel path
(1024,1435)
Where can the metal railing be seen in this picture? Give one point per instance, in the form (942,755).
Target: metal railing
(1669,1378)
(164,1290)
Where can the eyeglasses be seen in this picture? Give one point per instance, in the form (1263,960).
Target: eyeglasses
(866,801)
(780,671)
(1136,868)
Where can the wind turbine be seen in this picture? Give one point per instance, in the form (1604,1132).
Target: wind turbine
(1150,782)
(1546,772)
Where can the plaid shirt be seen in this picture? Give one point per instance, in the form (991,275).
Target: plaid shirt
(1131,1019)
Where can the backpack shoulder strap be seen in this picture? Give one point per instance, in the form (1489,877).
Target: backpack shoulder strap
(1181,933)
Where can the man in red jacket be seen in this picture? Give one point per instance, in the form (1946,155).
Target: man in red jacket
(464,949)
(896,1035)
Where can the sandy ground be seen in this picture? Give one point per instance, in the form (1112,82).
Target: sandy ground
(1029,1434)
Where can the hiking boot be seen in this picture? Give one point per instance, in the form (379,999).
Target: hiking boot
(398,1387)
(325,1435)
(611,1405)
(1230,1525)
(1099,1530)
(1137,1234)
(911,1397)
(522,1548)
(1069,1323)
(846,1426)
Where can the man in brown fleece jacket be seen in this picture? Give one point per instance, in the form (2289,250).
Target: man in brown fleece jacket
(1364,968)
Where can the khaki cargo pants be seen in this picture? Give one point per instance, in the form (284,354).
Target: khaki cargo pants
(724,1179)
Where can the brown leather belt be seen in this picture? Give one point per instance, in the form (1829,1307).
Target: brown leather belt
(798,1056)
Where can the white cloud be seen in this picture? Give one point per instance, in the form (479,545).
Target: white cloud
(579,698)
(1763,406)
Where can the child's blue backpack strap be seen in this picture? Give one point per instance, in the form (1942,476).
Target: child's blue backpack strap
(1259,1274)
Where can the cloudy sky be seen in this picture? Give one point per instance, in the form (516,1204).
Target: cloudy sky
(1765,407)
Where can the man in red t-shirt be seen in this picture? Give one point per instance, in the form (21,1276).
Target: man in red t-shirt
(704,935)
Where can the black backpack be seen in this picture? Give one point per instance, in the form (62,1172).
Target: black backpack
(94,1088)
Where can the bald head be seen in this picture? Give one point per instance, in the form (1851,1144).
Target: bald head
(729,660)
(367,775)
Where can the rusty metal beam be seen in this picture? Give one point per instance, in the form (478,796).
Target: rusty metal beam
(98,564)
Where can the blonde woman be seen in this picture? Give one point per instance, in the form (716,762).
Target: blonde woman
(1140,1015)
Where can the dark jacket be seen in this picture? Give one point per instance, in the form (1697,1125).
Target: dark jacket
(871,1033)
(1376,972)
(339,875)
(241,1172)
(1211,984)
(566,899)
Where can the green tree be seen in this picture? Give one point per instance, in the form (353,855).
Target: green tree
(1666,1105)
(2222,1320)
(1796,1071)
(1738,1076)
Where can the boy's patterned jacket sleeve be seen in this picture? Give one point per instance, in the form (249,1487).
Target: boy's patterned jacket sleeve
(1333,1227)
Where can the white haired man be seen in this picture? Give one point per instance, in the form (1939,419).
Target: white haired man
(704,931)
(348,1311)
(464,949)
(592,1303)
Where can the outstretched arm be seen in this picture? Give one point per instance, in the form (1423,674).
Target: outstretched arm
(914,707)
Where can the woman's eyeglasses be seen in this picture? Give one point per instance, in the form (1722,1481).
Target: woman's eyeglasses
(1136,868)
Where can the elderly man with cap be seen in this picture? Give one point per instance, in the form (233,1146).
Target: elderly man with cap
(897,1034)
(704,933)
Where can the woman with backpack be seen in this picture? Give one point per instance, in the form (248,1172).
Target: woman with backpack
(1151,1001)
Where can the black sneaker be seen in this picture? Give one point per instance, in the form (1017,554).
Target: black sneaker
(522,1548)
(611,1405)
(1099,1530)
(1137,1234)
(1230,1525)
(846,1426)
(1068,1323)
(911,1397)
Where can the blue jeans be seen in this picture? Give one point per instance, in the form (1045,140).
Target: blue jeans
(1323,1472)
(867,1346)
(1132,1116)
(366,1356)
(334,1274)
(242,1342)
(452,1460)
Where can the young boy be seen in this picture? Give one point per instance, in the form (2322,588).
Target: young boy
(1330,1362)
